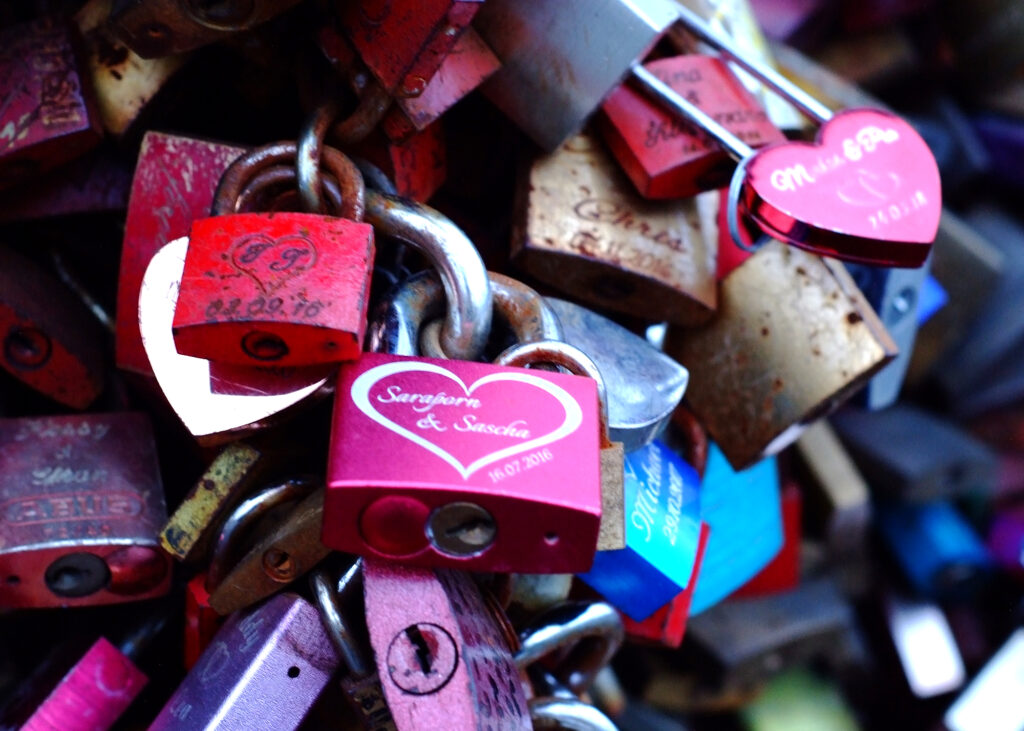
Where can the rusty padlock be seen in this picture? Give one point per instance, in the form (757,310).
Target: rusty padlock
(444,653)
(799,348)
(48,116)
(666,158)
(404,42)
(161,209)
(276,289)
(82,503)
(581,228)
(50,340)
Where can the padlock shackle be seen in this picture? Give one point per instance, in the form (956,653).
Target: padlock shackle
(567,625)
(243,517)
(326,595)
(768,76)
(567,713)
(569,357)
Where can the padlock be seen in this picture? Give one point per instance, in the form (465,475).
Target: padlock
(895,295)
(50,341)
(884,212)
(782,573)
(417,165)
(201,621)
(445,657)
(94,692)
(280,288)
(568,713)
(277,556)
(443,505)
(654,260)
(768,365)
(264,670)
(466,66)
(126,86)
(910,455)
(566,647)
(403,43)
(188,532)
(665,158)
(663,529)
(156,29)
(82,505)
(925,644)
(837,505)
(222,404)
(936,548)
(748,639)
(361,681)
(48,116)
(644,385)
(741,510)
(983,705)
(667,625)
(161,209)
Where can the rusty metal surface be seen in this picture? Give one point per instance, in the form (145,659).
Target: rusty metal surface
(187,534)
(612,532)
(583,229)
(80,484)
(793,338)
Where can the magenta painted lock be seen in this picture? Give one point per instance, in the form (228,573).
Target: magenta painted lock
(467,465)
(263,670)
(445,656)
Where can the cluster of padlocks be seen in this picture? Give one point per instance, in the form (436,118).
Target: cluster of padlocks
(508,364)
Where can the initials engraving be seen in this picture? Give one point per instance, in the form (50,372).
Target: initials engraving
(272,262)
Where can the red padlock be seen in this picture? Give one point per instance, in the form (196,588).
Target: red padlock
(417,165)
(276,288)
(47,116)
(174,182)
(668,158)
(404,42)
(201,620)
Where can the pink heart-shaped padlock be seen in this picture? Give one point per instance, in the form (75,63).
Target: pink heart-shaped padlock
(866,190)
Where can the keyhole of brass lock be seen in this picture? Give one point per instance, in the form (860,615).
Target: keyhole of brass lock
(461,529)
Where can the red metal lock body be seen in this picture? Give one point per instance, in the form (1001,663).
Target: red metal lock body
(201,620)
(444,659)
(175,179)
(46,116)
(274,289)
(81,504)
(417,166)
(468,465)
(469,63)
(667,158)
(404,42)
(49,340)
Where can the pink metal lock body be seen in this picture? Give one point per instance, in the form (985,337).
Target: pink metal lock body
(264,670)
(666,158)
(174,182)
(274,289)
(81,504)
(444,662)
(93,694)
(468,465)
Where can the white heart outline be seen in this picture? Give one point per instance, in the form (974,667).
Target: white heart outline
(360,394)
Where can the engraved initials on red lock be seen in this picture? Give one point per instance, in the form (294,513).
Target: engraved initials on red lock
(476,466)
(276,288)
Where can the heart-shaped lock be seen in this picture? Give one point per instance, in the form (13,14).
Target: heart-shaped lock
(867,189)
(236,401)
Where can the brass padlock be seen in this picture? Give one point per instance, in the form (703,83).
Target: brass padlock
(583,229)
(793,338)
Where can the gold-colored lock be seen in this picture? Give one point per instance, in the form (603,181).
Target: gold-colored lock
(792,339)
(582,229)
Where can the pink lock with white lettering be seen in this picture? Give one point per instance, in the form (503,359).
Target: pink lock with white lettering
(468,465)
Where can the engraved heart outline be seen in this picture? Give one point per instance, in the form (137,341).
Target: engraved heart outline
(360,394)
(272,244)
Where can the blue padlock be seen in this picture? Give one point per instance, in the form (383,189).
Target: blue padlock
(662,498)
(937,549)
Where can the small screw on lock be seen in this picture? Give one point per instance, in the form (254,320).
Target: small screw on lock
(461,529)
(27,348)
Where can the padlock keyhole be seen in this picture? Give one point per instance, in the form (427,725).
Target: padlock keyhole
(424,656)
(77,575)
(27,348)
